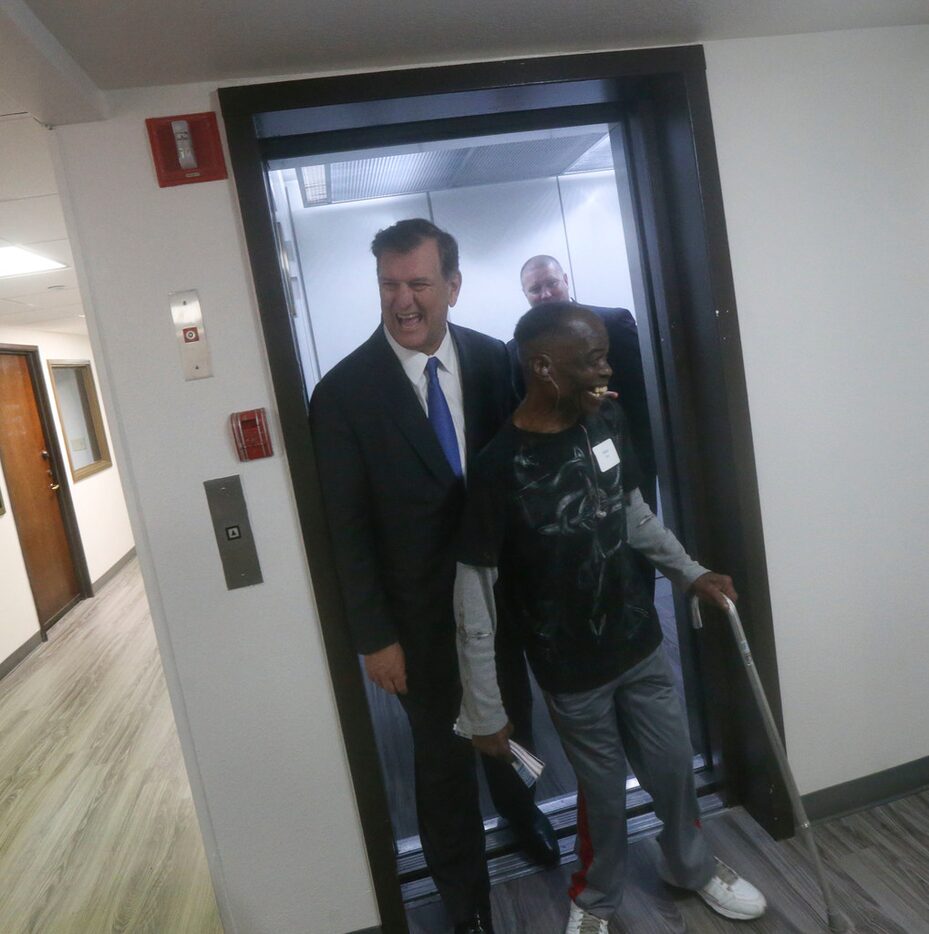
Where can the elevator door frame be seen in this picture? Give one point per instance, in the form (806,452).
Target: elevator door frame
(682,282)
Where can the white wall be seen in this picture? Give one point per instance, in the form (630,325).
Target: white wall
(245,669)
(498,227)
(99,505)
(823,145)
(828,248)
(598,264)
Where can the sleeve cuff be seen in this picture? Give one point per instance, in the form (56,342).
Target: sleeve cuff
(482,725)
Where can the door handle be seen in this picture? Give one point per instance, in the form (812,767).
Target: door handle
(54,486)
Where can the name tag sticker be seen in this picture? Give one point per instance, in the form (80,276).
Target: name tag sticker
(606,454)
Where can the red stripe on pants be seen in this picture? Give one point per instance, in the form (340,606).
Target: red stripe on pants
(585,850)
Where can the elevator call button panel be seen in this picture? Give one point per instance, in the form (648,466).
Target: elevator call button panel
(233,532)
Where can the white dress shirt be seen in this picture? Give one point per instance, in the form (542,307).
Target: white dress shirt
(449,372)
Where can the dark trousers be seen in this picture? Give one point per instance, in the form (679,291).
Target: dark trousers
(447,803)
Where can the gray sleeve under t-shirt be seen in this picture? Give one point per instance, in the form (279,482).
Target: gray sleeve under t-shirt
(650,538)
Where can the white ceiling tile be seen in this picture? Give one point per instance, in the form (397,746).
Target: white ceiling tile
(55,298)
(15,286)
(40,315)
(25,161)
(32,220)
(12,308)
(58,250)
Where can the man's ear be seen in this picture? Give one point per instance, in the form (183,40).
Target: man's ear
(541,365)
(454,288)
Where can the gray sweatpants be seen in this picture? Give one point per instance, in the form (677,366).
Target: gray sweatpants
(636,716)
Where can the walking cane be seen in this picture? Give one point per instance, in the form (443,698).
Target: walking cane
(835,918)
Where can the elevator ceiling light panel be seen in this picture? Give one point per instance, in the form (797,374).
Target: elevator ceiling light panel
(599,158)
(15,261)
(315,185)
(449,164)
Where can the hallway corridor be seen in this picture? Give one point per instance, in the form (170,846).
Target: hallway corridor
(97,827)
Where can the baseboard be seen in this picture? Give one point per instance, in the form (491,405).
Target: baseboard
(369,931)
(113,571)
(9,663)
(868,791)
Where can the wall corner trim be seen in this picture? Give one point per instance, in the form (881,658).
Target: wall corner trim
(868,791)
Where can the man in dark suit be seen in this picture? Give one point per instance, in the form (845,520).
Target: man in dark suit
(395,426)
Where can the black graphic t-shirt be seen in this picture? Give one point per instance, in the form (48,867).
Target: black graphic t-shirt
(548,511)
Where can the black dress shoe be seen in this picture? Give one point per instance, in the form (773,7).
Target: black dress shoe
(479,924)
(537,837)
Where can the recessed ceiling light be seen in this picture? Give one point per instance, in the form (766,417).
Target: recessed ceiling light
(15,261)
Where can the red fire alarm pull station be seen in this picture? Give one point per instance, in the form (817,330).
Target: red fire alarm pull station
(250,431)
(186,149)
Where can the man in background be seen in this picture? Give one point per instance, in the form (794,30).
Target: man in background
(395,426)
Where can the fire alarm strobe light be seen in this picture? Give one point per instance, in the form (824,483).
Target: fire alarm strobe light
(186,148)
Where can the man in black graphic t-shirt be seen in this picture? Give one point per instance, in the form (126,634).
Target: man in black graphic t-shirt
(554,511)
(555,526)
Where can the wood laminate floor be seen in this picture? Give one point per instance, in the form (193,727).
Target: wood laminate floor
(97,827)
(877,861)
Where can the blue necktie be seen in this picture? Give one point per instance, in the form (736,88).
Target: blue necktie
(441,417)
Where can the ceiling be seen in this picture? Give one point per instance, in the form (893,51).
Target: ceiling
(131,43)
(31,216)
(58,61)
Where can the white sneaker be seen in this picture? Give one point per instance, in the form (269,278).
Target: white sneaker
(583,922)
(731,896)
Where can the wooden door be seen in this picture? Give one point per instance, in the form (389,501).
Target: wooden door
(34,492)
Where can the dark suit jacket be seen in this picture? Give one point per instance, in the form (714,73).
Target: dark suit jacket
(627,382)
(392,503)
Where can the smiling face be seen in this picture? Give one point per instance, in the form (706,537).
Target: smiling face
(577,363)
(545,282)
(415,296)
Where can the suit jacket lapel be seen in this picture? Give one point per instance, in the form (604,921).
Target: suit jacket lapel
(391,389)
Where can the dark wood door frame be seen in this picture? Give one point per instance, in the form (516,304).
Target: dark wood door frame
(686,290)
(682,274)
(61,472)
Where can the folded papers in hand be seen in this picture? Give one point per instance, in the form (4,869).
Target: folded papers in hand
(528,767)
